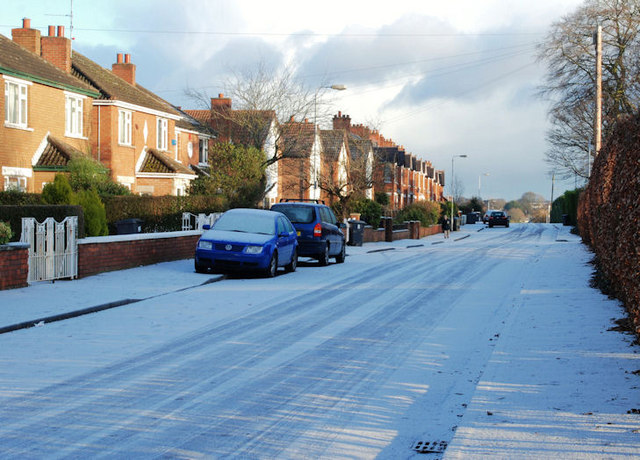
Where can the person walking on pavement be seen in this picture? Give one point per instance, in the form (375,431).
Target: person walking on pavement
(446,226)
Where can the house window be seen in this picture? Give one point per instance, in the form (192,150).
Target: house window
(204,151)
(124,127)
(163,133)
(15,104)
(15,183)
(73,115)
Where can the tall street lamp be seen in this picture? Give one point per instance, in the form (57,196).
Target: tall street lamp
(453,192)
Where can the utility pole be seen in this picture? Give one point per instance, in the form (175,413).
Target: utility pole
(597,128)
(553,182)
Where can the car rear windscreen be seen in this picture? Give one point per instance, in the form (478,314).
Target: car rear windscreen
(297,214)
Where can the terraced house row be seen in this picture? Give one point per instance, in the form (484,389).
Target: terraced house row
(59,103)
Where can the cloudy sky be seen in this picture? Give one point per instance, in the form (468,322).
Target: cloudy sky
(441,78)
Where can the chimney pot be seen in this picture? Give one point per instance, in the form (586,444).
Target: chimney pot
(127,59)
(220,95)
(292,119)
(27,37)
(52,31)
(119,58)
(60,31)
(339,113)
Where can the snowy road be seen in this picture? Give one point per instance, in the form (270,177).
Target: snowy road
(492,345)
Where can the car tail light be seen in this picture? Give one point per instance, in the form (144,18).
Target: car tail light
(317,230)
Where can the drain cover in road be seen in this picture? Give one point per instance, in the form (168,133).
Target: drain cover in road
(430,447)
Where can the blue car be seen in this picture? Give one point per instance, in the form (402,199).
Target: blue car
(248,240)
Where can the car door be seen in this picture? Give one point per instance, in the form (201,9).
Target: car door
(285,243)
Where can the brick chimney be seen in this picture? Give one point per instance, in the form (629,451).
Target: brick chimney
(27,37)
(125,70)
(342,122)
(220,103)
(56,49)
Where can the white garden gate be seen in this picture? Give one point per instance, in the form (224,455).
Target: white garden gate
(196,222)
(53,248)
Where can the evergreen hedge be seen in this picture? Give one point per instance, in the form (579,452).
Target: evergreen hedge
(160,213)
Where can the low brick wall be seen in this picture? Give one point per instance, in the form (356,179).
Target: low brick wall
(107,253)
(414,231)
(14,265)
(432,230)
(373,235)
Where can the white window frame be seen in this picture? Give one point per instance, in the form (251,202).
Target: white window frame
(15,183)
(125,118)
(162,134)
(19,118)
(203,151)
(74,115)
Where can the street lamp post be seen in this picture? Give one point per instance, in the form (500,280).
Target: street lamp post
(453,186)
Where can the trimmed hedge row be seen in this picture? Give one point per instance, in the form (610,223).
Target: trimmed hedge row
(159,214)
(608,213)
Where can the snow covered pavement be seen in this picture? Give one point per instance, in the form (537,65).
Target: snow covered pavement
(491,345)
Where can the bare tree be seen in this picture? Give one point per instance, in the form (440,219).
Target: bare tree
(261,95)
(569,53)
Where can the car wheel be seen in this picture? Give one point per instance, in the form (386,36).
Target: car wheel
(340,257)
(324,257)
(272,268)
(490,226)
(294,262)
(507,225)
(199,268)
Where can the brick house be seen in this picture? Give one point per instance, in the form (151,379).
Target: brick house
(47,110)
(148,145)
(300,168)
(335,168)
(402,176)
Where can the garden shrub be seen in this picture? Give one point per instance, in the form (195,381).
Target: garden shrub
(370,211)
(58,192)
(5,232)
(427,212)
(95,216)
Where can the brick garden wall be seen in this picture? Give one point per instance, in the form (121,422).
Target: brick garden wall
(609,213)
(14,265)
(101,254)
